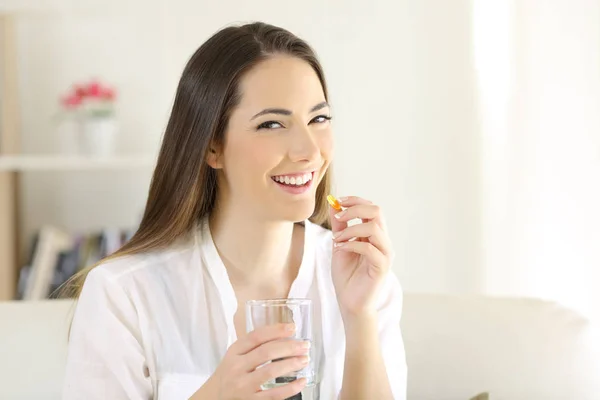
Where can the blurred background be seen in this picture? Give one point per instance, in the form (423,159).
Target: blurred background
(474,123)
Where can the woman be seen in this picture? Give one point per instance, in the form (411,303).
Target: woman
(237,211)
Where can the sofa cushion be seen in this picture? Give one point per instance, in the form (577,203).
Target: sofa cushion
(456,346)
(515,349)
(33,343)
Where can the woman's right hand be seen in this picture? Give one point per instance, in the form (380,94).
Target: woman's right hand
(237,377)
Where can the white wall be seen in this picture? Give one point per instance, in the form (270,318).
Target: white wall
(543,220)
(400,81)
(562,84)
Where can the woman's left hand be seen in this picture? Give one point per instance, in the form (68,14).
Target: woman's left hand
(362,255)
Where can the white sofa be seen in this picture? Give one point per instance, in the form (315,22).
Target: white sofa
(457,347)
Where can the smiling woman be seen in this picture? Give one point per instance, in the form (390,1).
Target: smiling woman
(237,211)
(282,120)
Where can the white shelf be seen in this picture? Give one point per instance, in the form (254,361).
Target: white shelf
(73,163)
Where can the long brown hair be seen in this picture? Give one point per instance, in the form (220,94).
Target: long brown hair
(184,187)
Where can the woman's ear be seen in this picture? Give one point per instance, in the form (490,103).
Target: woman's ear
(213,158)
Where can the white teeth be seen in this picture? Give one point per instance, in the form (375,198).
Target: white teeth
(294,180)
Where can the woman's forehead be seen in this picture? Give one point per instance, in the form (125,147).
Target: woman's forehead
(282,82)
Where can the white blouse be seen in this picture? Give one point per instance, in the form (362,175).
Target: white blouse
(155,326)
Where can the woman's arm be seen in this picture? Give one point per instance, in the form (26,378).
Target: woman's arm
(365,375)
(370,300)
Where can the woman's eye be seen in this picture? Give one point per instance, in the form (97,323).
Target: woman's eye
(270,125)
(320,119)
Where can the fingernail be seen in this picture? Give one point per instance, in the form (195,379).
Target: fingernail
(290,327)
(339,244)
(342,199)
(304,360)
(337,235)
(306,344)
(340,214)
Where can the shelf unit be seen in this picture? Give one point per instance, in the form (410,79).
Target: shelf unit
(13,163)
(9,145)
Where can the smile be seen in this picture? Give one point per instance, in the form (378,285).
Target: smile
(294,179)
(295,184)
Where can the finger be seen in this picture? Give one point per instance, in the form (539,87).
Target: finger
(366,212)
(336,224)
(350,201)
(262,335)
(283,392)
(369,231)
(276,369)
(366,249)
(275,350)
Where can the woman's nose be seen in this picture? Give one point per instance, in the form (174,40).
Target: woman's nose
(304,145)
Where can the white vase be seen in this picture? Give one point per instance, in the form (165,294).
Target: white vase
(98,136)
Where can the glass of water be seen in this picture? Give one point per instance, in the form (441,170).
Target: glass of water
(260,313)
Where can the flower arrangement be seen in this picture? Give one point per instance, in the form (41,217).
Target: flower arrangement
(92,99)
(87,123)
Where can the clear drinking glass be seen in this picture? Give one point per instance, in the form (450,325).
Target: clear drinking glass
(260,313)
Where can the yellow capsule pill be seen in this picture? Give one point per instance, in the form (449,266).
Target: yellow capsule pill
(334,203)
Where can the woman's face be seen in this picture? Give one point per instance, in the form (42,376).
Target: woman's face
(278,143)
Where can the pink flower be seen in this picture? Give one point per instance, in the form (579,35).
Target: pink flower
(80,91)
(108,94)
(71,100)
(97,95)
(94,89)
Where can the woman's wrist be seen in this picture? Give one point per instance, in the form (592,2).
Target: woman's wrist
(360,328)
(354,320)
(208,390)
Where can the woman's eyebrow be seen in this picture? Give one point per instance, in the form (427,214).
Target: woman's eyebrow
(280,111)
(283,111)
(319,106)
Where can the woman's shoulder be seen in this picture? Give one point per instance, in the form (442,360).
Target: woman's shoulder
(146,265)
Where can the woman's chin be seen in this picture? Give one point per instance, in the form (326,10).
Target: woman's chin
(298,213)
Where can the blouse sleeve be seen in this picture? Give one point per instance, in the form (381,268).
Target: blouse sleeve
(390,336)
(105,357)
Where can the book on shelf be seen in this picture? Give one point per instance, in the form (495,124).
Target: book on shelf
(55,256)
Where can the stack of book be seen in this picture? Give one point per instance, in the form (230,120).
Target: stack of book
(56,256)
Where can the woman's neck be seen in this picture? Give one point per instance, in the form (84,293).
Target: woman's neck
(255,251)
